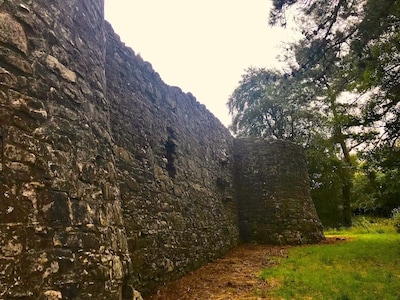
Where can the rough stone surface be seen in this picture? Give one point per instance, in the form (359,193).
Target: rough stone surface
(61,226)
(170,155)
(111,182)
(272,184)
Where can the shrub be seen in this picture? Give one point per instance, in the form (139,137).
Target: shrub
(396,218)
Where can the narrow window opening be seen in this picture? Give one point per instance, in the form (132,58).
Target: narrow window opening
(2,137)
(170,148)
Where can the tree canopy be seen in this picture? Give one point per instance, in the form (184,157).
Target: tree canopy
(356,46)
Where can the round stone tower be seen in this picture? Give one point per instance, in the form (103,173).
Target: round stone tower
(273,191)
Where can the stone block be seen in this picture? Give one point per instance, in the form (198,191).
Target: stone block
(12,33)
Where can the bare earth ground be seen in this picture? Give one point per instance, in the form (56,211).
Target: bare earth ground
(234,276)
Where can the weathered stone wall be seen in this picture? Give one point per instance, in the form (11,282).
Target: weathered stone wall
(272,184)
(175,171)
(61,225)
(110,180)
(77,146)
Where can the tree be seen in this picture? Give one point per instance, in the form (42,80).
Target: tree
(327,180)
(353,45)
(272,104)
(375,63)
(378,181)
(262,106)
(345,74)
(362,38)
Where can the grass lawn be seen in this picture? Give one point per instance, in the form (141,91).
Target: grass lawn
(365,266)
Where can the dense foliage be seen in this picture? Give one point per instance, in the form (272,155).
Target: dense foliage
(339,97)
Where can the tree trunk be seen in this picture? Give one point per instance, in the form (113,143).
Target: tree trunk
(347,172)
(347,213)
(347,183)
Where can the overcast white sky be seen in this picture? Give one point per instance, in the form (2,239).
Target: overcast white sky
(202,46)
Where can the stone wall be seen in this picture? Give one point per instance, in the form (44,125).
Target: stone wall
(61,224)
(272,184)
(110,180)
(175,171)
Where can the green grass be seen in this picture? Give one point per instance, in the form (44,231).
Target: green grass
(366,266)
(362,225)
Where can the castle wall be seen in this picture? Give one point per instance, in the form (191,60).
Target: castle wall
(111,180)
(272,184)
(175,171)
(61,225)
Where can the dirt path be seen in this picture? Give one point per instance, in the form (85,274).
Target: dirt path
(234,276)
